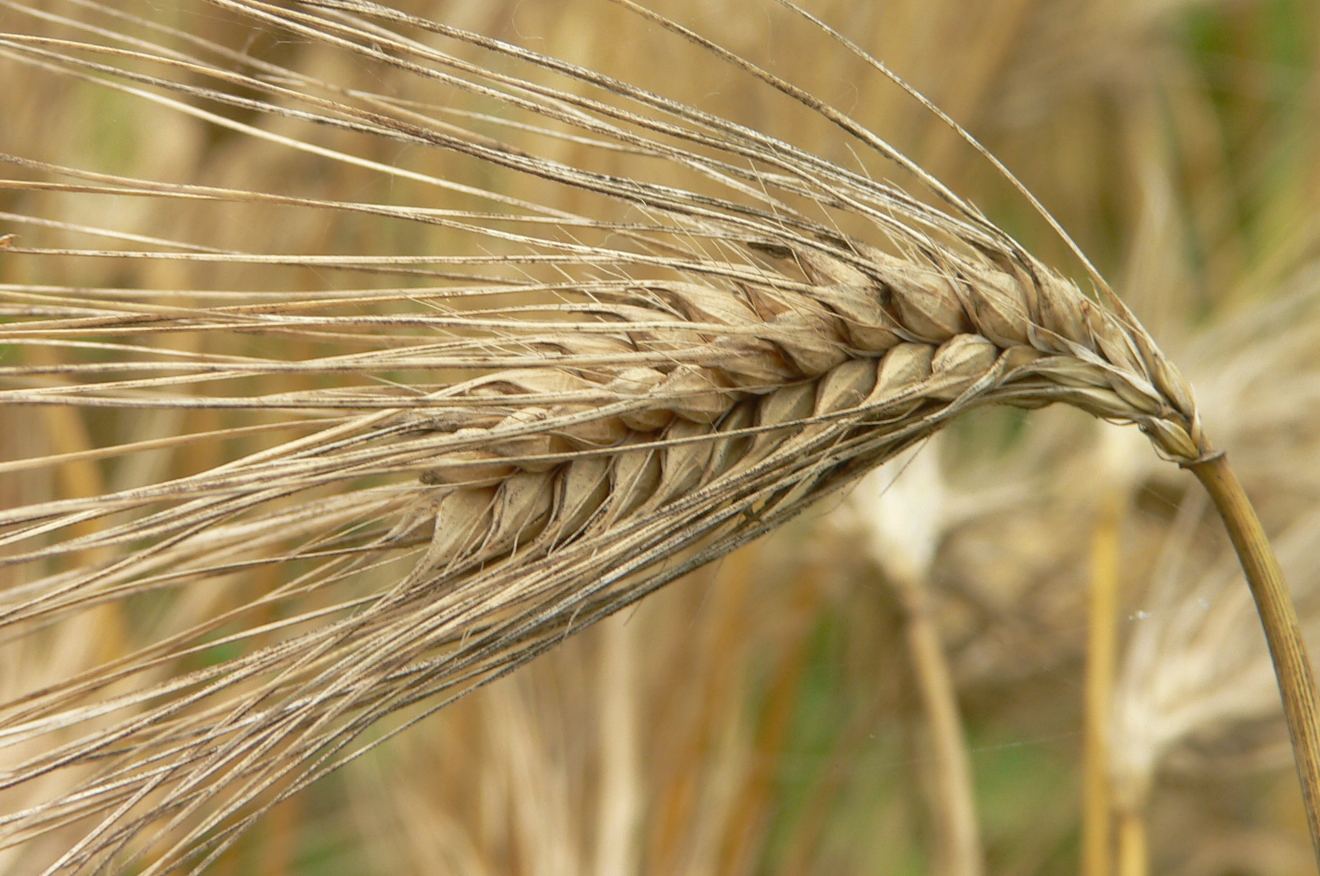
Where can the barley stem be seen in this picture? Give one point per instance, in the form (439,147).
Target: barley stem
(620,799)
(958,850)
(1133,855)
(1101,655)
(1292,665)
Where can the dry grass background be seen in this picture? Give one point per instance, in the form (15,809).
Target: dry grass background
(760,715)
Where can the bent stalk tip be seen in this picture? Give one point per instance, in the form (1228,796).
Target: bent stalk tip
(1283,632)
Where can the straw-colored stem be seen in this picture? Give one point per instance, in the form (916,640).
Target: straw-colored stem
(1292,665)
(1101,655)
(744,839)
(620,798)
(959,846)
(670,839)
(1133,856)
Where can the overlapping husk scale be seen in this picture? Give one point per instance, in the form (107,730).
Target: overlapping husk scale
(867,350)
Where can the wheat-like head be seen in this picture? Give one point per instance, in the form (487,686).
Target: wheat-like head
(481,450)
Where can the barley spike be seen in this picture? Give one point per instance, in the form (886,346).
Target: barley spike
(441,471)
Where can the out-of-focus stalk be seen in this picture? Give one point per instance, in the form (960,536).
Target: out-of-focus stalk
(1133,855)
(1101,655)
(957,829)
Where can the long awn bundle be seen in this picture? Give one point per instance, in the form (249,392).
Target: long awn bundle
(425,482)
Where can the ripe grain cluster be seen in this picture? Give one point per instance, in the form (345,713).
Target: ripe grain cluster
(523,434)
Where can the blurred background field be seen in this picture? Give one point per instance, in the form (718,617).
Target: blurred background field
(762,716)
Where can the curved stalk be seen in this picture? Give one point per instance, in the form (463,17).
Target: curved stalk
(1292,664)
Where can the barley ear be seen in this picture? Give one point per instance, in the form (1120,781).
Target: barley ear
(682,371)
